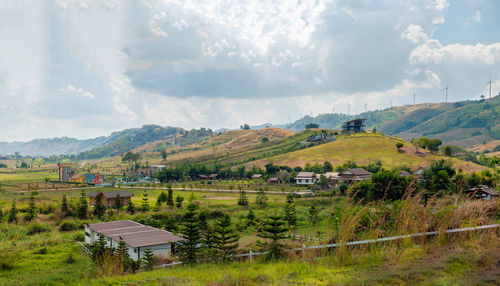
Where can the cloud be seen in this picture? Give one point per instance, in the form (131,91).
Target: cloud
(77,91)
(476,18)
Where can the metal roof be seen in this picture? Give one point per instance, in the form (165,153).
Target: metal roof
(305,175)
(133,233)
(111,194)
(356,172)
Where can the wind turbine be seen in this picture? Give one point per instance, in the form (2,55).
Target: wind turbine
(446,92)
(413,98)
(490,87)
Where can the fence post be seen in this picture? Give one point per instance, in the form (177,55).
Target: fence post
(250,256)
(303,251)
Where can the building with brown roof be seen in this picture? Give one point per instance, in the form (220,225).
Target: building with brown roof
(354,174)
(109,197)
(137,237)
(305,178)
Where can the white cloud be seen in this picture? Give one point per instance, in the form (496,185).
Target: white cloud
(414,33)
(476,18)
(77,91)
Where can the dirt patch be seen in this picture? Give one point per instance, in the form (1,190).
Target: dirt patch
(218,198)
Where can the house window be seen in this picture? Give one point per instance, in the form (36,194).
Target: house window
(87,234)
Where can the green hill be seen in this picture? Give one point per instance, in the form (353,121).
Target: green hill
(465,123)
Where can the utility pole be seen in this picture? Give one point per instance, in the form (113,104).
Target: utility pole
(490,87)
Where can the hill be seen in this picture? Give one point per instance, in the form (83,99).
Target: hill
(464,124)
(363,149)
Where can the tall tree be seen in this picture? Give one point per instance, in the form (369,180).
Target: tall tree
(188,250)
(12,212)
(225,238)
(313,215)
(170,197)
(290,211)
(261,197)
(99,208)
(82,206)
(162,198)
(65,206)
(130,206)
(32,209)
(144,202)
(178,201)
(274,231)
(243,200)
(250,217)
(118,202)
(148,260)
(123,256)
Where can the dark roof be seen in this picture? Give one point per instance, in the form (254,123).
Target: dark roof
(490,191)
(355,120)
(356,172)
(134,233)
(111,194)
(404,173)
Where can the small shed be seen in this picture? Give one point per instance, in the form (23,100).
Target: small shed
(273,180)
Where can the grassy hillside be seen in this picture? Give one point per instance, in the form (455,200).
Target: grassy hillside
(363,149)
(465,123)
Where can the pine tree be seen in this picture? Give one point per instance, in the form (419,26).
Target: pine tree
(13,212)
(99,208)
(162,198)
(130,206)
(178,201)
(203,221)
(118,202)
(313,215)
(148,260)
(250,217)
(243,200)
(82,206)
(145,202)
(189,251)
(274,231)
(65,206)
(261,197)
(225,238)
(290,211)
(32,210)
(123,255)
(170,197)
(207,238)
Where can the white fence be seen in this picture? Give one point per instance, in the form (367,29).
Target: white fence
(303,249)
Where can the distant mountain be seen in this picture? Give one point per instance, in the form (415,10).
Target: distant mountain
(48,147)
(465,123)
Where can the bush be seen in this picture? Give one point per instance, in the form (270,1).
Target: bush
(68,226)
(42,250)
(35,228)
(79,237)
(70,259)
(8,259)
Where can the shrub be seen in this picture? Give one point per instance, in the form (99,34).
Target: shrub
(8,259)
(79,237)
(68,226)
(42,250)
(70,259)
(35,228)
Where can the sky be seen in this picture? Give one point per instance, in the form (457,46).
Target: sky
(86,68)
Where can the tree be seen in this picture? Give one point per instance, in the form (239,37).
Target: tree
(82,206)
(274,231)
(170,197)
(243,200)
(225,238)
(448,151)
(261,197)
(148,260)
(264,140)
(118,202)
(131,157)
(245,127)
(12,212)
(99,208)
(399,145)
(32,210)
(64,206)
(250,217)
(144,202)
(163,154)
(178,201)
(130,206)
(312,126)
(290,211)
(433,144)
(313,215)
(323,181)
(162,198)
(188,250)
(123,256)
(327,166)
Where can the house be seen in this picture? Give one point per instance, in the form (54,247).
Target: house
(65,172)
(203,177)
(153,169)
(109,197)
(273,180)
(484,192)
(136,236)
(305,178)
(405,174)
(213,177)
(356,125)
(76,178)
(93,179)
(256,176)
(354,174)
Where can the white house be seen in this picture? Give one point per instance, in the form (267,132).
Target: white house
(138,237)
(305,178)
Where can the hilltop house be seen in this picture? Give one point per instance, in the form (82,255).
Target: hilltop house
(354,174)
(109,197)
(356,125)
(77,178)
(305,178)
(136,236)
